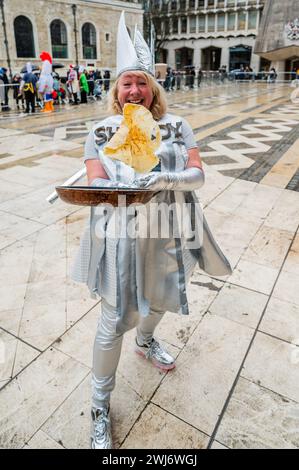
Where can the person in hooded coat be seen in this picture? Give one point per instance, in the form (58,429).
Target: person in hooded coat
(28,86)
(4,82)
(17,93)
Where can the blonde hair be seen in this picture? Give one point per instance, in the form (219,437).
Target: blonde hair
(159,105)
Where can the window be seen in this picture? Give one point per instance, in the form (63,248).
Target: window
(192,4)
(157,25)
(201,23)
(184,25)
(252,17)
(166,26)
(107,37)
(211,3)
(211,23)
(231,20)
(192,24)
(182,5)
(241,20)
(174,5)
(201,3)
(175,26)
(165,7)
(220,22)
(89,41)
(24,37)
(58,39)
(230,3)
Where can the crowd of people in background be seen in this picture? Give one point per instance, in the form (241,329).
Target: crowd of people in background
(174,78)
(77,87)
(81,85)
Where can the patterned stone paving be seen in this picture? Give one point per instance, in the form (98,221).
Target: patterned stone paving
(294,182)
(256,145)
(240,342)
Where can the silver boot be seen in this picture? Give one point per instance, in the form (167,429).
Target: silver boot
(156,354)
(101,428)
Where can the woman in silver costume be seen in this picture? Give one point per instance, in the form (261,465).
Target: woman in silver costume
(130,275)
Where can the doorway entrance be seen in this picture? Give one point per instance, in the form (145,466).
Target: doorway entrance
(292,65)
(239,55)
(183,57)
(210,58)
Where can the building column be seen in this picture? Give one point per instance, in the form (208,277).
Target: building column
(246,20)
(279,65)
(197,56)
(171,57)
(225,56)
(255,62)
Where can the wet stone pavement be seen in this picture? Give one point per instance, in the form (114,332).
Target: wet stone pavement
(236,384)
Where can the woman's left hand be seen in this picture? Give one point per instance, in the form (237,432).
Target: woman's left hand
(186,180)
(153,181)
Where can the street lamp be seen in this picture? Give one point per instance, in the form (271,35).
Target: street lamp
(5,38)
(74,8)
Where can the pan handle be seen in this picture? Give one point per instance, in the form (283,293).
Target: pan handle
(69,182)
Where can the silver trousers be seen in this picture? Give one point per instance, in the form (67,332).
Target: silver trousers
(107,347)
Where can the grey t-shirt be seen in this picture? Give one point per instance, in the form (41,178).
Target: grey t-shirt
(173,128)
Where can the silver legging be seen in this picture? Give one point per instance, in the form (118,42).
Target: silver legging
(107,347)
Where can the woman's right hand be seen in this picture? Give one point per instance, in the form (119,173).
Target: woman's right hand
(104,183)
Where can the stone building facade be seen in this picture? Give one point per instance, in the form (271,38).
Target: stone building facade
(208,33)
(278,36)
(33,26)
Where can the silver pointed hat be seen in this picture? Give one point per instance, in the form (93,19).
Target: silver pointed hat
(131,56)
(144,54)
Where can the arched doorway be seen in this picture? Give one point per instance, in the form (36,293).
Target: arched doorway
(183,57)
(210,58)
(89,41)
(239,55)
(24,37)
(58,39)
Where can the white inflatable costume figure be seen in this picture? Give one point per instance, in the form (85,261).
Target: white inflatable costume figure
(45,84)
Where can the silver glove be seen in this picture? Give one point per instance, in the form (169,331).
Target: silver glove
(186,180)
(103,182)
